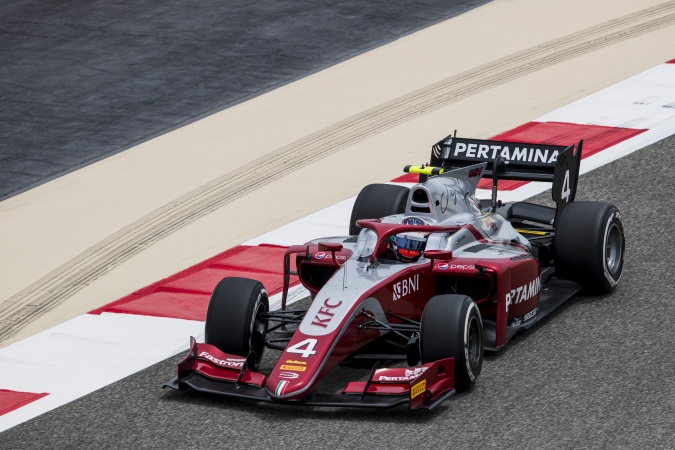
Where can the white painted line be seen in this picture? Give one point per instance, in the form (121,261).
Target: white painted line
(643,101)
(92,351)
(331,221)
(85,354)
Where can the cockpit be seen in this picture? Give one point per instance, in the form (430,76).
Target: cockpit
(400,248)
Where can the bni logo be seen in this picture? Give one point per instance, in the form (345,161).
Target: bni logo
(406,286)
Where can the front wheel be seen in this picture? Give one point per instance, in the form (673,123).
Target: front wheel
(452,327)
(233,322)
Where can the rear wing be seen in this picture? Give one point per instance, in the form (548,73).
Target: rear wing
(554,164)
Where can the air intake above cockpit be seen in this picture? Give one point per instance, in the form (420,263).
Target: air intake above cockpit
(419,201)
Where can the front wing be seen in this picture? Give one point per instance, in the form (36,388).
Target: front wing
(207,369)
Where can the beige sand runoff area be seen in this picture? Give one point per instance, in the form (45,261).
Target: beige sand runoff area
(92,236)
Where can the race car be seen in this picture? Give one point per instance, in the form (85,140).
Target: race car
(428,279)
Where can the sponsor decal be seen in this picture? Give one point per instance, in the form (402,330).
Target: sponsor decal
(415,372)
(463,266)
(295,361)
(324,255)
(324,316)
(418,389)
(437,148)
(227,362)
(409,375)
(280,388)
(406,286)
(475,172)
(489,225)
(518,320)
(442,266)
(508,152)
(531,314)
(522,293)
(295,368)
(288,375)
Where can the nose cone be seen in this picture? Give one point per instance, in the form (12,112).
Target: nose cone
(298,369)
(306,356)
(290,379)
(303,361)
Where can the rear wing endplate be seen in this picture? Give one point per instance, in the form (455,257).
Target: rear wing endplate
(554,164)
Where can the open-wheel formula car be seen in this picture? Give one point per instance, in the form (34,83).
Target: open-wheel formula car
(428,278)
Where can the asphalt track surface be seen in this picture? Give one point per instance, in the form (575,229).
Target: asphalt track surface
(80,81)
(597,373)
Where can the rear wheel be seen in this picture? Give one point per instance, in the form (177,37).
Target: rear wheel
(376,201)
(233,321)
(589,245)
(452,327)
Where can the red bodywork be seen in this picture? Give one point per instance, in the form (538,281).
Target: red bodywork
(502,288)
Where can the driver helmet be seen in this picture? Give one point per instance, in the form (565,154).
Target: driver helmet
(409,246)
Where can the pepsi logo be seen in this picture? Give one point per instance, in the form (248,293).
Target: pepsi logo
(324,255)
(442,266)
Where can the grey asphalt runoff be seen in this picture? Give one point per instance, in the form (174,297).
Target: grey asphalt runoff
(597,373)
(80,81)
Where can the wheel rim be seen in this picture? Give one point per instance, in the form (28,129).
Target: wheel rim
(474,343)
(613,249)
(257,346)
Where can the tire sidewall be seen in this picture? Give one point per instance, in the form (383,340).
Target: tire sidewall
(452,327)
(256,306)
(231,315)
(580,245)
(473,329)
(613,224)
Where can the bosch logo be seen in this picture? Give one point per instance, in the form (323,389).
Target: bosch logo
(442,266)
(288,375)
(531,314)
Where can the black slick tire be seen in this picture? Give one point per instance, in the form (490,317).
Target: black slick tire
(232,319)
(589,244)
(376,201)
(452,327)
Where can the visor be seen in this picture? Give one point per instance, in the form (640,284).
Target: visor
(408,243)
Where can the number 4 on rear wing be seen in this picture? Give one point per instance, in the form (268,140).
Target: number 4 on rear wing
(554,164)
